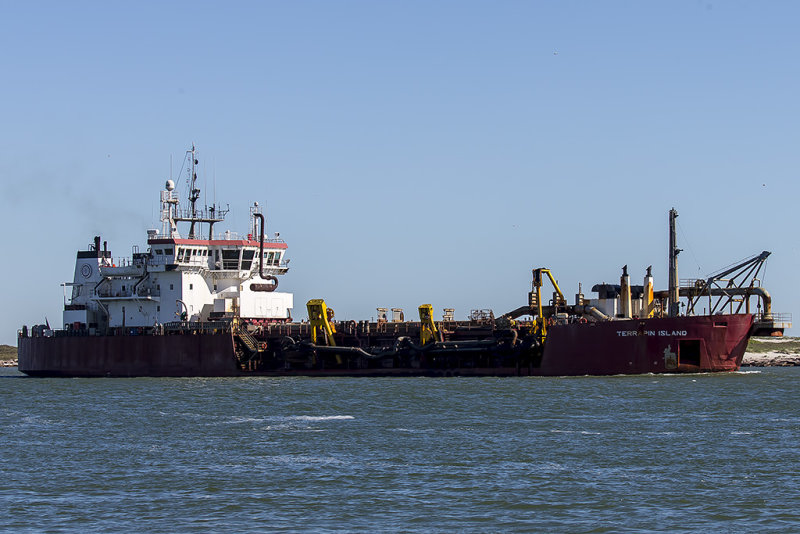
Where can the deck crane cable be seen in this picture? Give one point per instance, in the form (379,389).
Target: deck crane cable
(733,264)
(689,246)
(180,173)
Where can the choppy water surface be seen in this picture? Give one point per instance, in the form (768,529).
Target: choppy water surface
(646,453)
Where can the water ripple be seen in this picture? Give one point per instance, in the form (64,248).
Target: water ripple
(703,453)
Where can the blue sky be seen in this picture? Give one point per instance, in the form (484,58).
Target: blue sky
(409,152)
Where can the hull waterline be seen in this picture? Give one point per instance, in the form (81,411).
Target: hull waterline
(664,345)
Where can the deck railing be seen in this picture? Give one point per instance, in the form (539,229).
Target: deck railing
(775,317)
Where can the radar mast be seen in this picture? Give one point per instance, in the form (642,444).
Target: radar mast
(208,214)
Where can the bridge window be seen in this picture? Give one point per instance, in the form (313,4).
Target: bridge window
(247,259)
(168,251)
(230,260)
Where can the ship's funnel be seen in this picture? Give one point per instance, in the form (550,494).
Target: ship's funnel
(647,296)
(625,293)
(579,300)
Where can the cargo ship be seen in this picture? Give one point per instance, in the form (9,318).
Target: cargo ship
(201,303)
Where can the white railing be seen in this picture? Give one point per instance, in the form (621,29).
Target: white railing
(775,317)
(236,236)
(122,262)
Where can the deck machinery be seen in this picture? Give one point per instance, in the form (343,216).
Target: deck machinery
(206,304)
(518,340)
(513,343)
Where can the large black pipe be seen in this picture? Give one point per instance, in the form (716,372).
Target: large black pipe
(403,343)
(269,277)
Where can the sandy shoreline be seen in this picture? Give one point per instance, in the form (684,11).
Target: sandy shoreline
(772,352)
(770,359)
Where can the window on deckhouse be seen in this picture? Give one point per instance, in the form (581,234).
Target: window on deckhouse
(230,260)
(247,259)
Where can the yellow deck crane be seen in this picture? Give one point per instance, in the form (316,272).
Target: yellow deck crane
(535,300)
(427,326)
(319,318)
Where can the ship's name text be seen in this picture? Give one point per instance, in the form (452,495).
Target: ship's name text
(655,333)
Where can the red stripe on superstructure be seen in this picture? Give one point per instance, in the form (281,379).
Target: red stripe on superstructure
(216,243)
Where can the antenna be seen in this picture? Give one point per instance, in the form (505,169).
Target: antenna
(194,193)
(193,215)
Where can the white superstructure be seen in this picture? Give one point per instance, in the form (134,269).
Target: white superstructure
(181,278)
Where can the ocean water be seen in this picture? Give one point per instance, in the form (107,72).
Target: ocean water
(692,453)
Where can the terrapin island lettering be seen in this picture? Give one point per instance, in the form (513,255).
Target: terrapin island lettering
(654,333)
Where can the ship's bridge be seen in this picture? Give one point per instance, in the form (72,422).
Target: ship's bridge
(227,253)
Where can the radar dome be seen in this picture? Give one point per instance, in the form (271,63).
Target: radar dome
(170,185)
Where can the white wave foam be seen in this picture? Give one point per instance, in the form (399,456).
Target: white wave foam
(584,432)
(320,417)
(239,419)
(305,459)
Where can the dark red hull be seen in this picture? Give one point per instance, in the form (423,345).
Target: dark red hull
(668,345)
(189,355)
